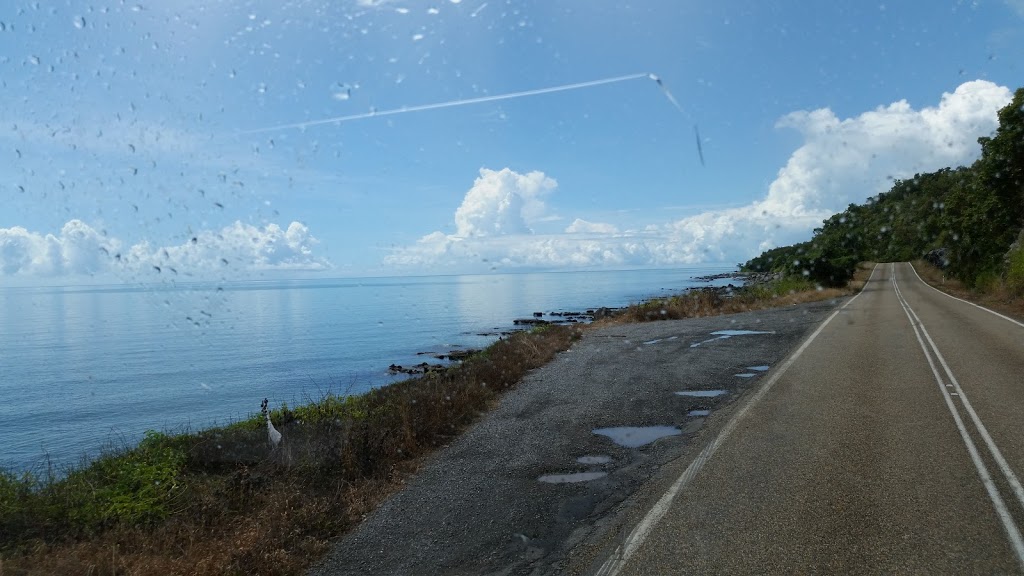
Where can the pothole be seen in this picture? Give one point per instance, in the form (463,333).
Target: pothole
(701,393)
(637,436)
(571,478)
(726,334)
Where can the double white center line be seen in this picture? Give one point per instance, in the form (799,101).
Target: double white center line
(932,354)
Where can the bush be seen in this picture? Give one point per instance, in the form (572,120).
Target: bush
(1015,270)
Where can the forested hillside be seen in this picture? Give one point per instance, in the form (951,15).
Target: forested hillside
(967,220)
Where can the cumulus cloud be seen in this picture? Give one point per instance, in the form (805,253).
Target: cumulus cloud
(581,226)
(81,250)
(77,249)
(503,202)
(841,161)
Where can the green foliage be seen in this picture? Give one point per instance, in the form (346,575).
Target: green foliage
(137,486)
(973,212)
(134,487)
(1015,269)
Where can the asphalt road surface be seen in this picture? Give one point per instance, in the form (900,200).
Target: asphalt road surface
(875,434)
(890,443)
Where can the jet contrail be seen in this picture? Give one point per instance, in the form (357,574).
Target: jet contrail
(667,93)
(468,101)
(495,98)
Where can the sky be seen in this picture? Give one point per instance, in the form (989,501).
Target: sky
(193,140)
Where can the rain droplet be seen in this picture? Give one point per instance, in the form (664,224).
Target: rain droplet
(340,91)
(79,22)
(402,10)
(262,88)
(34,59)
(415,38)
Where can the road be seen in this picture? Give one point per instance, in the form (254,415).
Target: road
(890,441)
(478,506)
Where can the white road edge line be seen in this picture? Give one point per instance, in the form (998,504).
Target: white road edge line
(615,562)
(1007,318)
(1012,532)
(1004,466)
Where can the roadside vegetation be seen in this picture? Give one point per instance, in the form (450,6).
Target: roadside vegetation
(784,291)
(224,501)
(968,222)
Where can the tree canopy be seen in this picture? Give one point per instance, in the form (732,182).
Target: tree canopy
(970,217)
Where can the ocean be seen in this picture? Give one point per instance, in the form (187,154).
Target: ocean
(88,368)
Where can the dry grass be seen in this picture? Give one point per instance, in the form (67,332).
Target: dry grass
(711,302)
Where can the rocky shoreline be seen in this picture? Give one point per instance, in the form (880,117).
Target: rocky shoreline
(578,317)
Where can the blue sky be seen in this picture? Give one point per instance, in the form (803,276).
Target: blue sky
(136,144)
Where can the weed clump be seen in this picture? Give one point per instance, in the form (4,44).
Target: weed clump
(711,301)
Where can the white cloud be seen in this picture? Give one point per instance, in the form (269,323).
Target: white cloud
(841,161)
(581,226)
(502,202)
(80,250)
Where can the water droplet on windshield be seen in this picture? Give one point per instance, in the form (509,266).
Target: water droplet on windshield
(79,22)
(341,91)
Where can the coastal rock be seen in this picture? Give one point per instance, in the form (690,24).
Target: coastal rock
(605,313)
(421,368)
(457,355)
(529,322)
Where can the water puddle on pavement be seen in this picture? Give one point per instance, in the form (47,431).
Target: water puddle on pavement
(635,437)
(656,340)
(594,459)
(746,375)
(699,413)
(701,393)
(571,478)
(726,334)
(758,368)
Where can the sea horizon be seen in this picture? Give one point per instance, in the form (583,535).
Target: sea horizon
(90,367)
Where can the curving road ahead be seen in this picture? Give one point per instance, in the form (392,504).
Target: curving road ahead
(890,441)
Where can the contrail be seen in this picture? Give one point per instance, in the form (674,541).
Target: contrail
(667,93)
(468,101)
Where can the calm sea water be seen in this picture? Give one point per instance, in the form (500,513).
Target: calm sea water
(88,367)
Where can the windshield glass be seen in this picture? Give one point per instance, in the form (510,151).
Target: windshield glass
(205,204)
